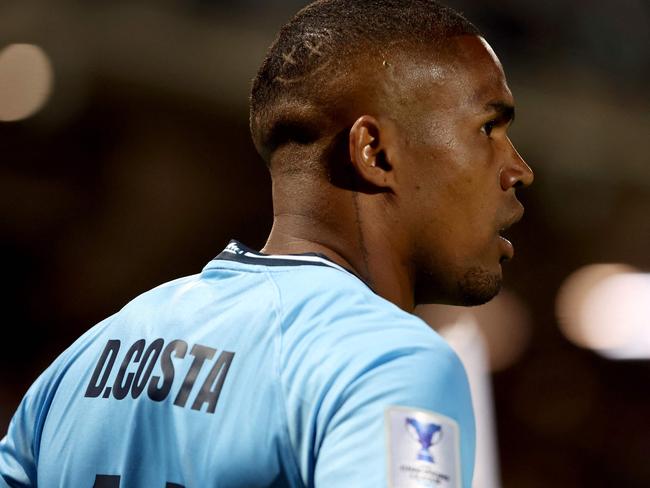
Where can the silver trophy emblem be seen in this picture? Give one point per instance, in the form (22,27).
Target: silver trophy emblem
(426,434)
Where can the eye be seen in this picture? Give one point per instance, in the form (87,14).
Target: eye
(488,126)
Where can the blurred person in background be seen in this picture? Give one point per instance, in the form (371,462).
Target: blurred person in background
(384,126)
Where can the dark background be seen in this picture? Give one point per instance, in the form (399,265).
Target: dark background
(140,168)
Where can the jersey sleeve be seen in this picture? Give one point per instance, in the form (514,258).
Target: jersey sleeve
(404,420)
(19,448)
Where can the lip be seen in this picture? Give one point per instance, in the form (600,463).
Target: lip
(514,218)
(507,249)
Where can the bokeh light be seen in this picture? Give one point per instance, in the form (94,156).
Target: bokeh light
(606,307)
(26,79)
(504,323)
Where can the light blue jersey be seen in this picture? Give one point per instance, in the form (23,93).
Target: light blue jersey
(262,371)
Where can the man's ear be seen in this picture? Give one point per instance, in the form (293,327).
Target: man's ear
(368,154)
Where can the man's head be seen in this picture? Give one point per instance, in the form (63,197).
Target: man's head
(322,59)
(403,106)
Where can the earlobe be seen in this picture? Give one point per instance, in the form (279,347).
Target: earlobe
(367,153)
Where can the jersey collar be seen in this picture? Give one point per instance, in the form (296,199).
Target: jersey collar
(236,251)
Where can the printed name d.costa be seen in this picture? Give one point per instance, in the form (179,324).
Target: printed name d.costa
(130,380)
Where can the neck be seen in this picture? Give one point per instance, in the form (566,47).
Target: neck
(366,250)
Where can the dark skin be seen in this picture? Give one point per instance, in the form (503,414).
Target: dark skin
(435,179)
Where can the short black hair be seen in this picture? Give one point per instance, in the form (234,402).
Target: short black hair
(323,39)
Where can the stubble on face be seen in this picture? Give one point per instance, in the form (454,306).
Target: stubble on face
(478,286)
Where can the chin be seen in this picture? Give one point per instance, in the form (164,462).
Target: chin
(474,286)
(478,286)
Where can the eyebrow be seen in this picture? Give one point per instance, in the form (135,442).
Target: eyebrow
(505,110)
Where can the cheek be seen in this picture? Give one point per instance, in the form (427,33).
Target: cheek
(465,220)
(448,187)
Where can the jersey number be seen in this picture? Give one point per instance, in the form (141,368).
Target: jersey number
(113,481)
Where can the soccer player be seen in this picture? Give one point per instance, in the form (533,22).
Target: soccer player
(383,124)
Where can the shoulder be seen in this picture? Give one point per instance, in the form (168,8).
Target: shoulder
(333,307)
(354,364)
(337,333)
(181,300)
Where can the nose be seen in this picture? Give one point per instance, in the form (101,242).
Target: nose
(515,173)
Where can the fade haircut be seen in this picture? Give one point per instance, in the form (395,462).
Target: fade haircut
(321,43)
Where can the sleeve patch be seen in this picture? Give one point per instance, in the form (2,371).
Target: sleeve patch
(423,449)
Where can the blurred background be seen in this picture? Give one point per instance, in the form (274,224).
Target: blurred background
(125,161)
